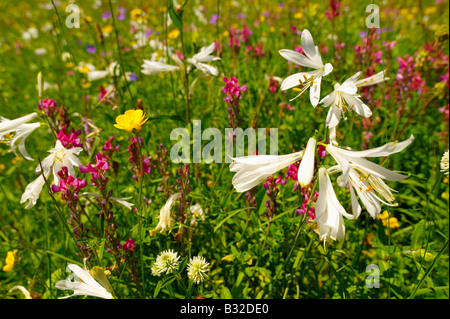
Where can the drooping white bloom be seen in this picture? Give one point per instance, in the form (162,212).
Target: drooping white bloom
(53,163)
(165,221)
(155,67)
(33,190)
(444,163)
(200,59)
(306,168)
(329,212)
(197,268)
(345,98)
(167,262)
(21,130)
(84,283)
(254,169)
(367,177)
(310,59)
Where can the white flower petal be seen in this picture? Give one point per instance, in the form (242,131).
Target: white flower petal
(298,58)
(314,92)
(310,49)
(252,170)
(295,80)
(333,117)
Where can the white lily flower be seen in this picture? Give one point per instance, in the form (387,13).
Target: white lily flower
(306,168)
(165,221)
(59,157)
(84,283)
(21,128)
(112,69)
(311,59)
(329,212)
(367,177)
(155,67)
(253,170)
(200,59)
(345,97)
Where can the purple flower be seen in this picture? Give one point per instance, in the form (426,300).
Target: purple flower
(132,77)
(214,19)
(121,15)
(148,32)
(90,48)
(106,15)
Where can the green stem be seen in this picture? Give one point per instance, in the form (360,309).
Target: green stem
(139,212)
(47,247)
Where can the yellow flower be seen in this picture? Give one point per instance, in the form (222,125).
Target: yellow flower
(85,84)
(387,221)
(107,29)
(173,34)
(10,260)
(136,15)
(132,119)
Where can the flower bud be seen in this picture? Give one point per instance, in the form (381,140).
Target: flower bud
(306,168)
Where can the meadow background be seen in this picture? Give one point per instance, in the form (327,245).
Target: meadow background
(250,255)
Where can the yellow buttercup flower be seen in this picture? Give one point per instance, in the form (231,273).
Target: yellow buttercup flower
(132,119)
(10,260)
(173,34)
(136,15)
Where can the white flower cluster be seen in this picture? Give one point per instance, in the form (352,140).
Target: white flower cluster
(168,262)
(363,178)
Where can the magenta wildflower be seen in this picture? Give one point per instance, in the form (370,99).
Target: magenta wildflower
(232,91)
(334,10)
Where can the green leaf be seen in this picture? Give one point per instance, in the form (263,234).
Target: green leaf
(154,117)
(417,236)
(175,18)
(225,293)
(231,214)
(157,288)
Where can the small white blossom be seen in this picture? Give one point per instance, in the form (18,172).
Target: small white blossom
(167,262)
(197,268)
